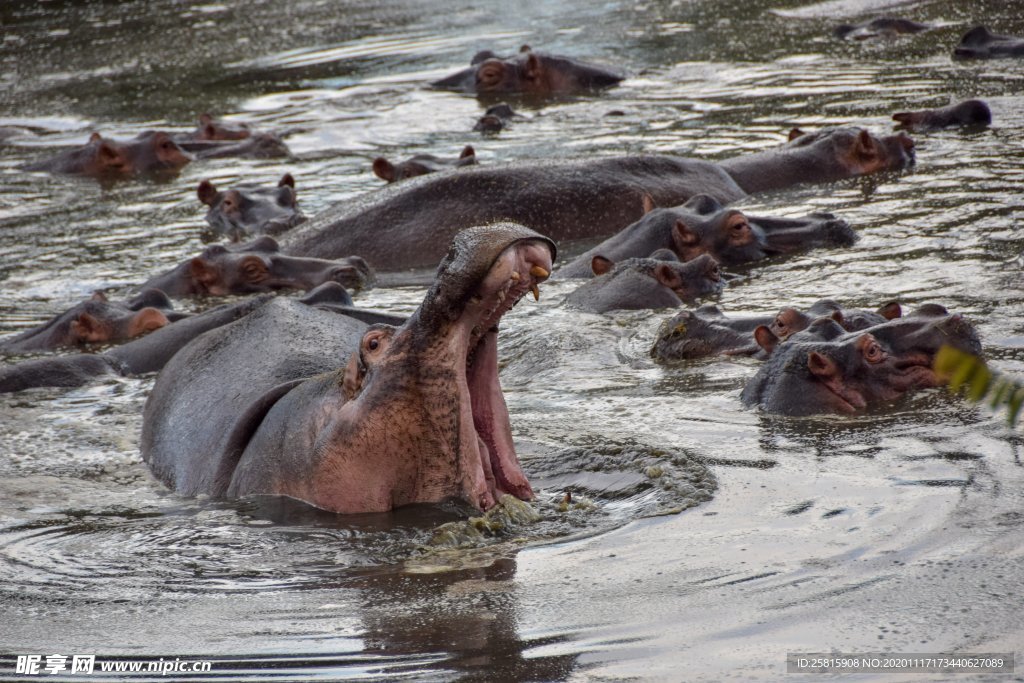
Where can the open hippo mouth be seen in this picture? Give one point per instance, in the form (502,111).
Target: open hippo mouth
(490,463)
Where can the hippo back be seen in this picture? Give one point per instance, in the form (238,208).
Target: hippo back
(223,378)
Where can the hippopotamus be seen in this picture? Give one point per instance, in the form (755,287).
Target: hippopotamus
(887,27)
(707,331)
(209,128)
(529,73)
(248,210)
(96,321)
(495,118)
(151,352)
(152,153)
(255,146)
(980,43)
(646,283)
(704,226)
(257,266)
(421,164)
(403,226)
(966,113)
(834,371)
(269,405)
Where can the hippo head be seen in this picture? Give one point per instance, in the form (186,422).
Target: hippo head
(855,151)
(825,317)
(107,158)
(634,283)
(97,321)
(538,74)
(425,396)
(702,332)
(157,152)
(421,164)
(210,128)
(258,266)
(243,211)
(704,226)
(827,370)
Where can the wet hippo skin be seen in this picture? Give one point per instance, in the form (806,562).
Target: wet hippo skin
(151,352)
(638,283)
(529,72)
(96,321)
(966,113)
(152,153)
(414,415)
(707,331)
(403,226)
(248,210)
(257,266)
(703,226)
(825,369)
(980,43)
(421,164)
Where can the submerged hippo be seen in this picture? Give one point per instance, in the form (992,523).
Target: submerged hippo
(529,73)
(415,415)
(980,43)
(257,266)
(966,113)
(151,153)
(255,146)
(703,226)
(707,331)
(209,128)
(886,27)
(404,225)
(660,281)
(421,164)
(495,119)
(247,210)
(96,321)
(151,352)
(834,371)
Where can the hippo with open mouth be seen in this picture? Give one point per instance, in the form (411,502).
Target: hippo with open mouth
(269,405)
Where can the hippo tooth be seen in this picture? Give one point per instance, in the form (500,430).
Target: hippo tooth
(539,272)
(536,290)
(515,276)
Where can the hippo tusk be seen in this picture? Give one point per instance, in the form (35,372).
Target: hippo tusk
(536,292)
(539,272)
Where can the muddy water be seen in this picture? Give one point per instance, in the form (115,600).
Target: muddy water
(704,540)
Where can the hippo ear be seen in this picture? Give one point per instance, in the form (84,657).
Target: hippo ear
(600,265)
(533,67)
(95,137)
(795,133)
(467,151)
(667,276)
(205,119)
(146,320)
(202,271)
(99,296)
(288,180)
(86,328)
(891,311)
(865,145)
(206,192)
(684,236)
(765,338)
(353,379)
(384,169)
(525,48)
(647,203)
(837,315)
(821,365)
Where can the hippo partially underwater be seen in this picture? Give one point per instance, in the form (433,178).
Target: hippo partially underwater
(349,417)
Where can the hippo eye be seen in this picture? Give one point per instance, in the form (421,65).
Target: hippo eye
(373,344)
(873,353)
